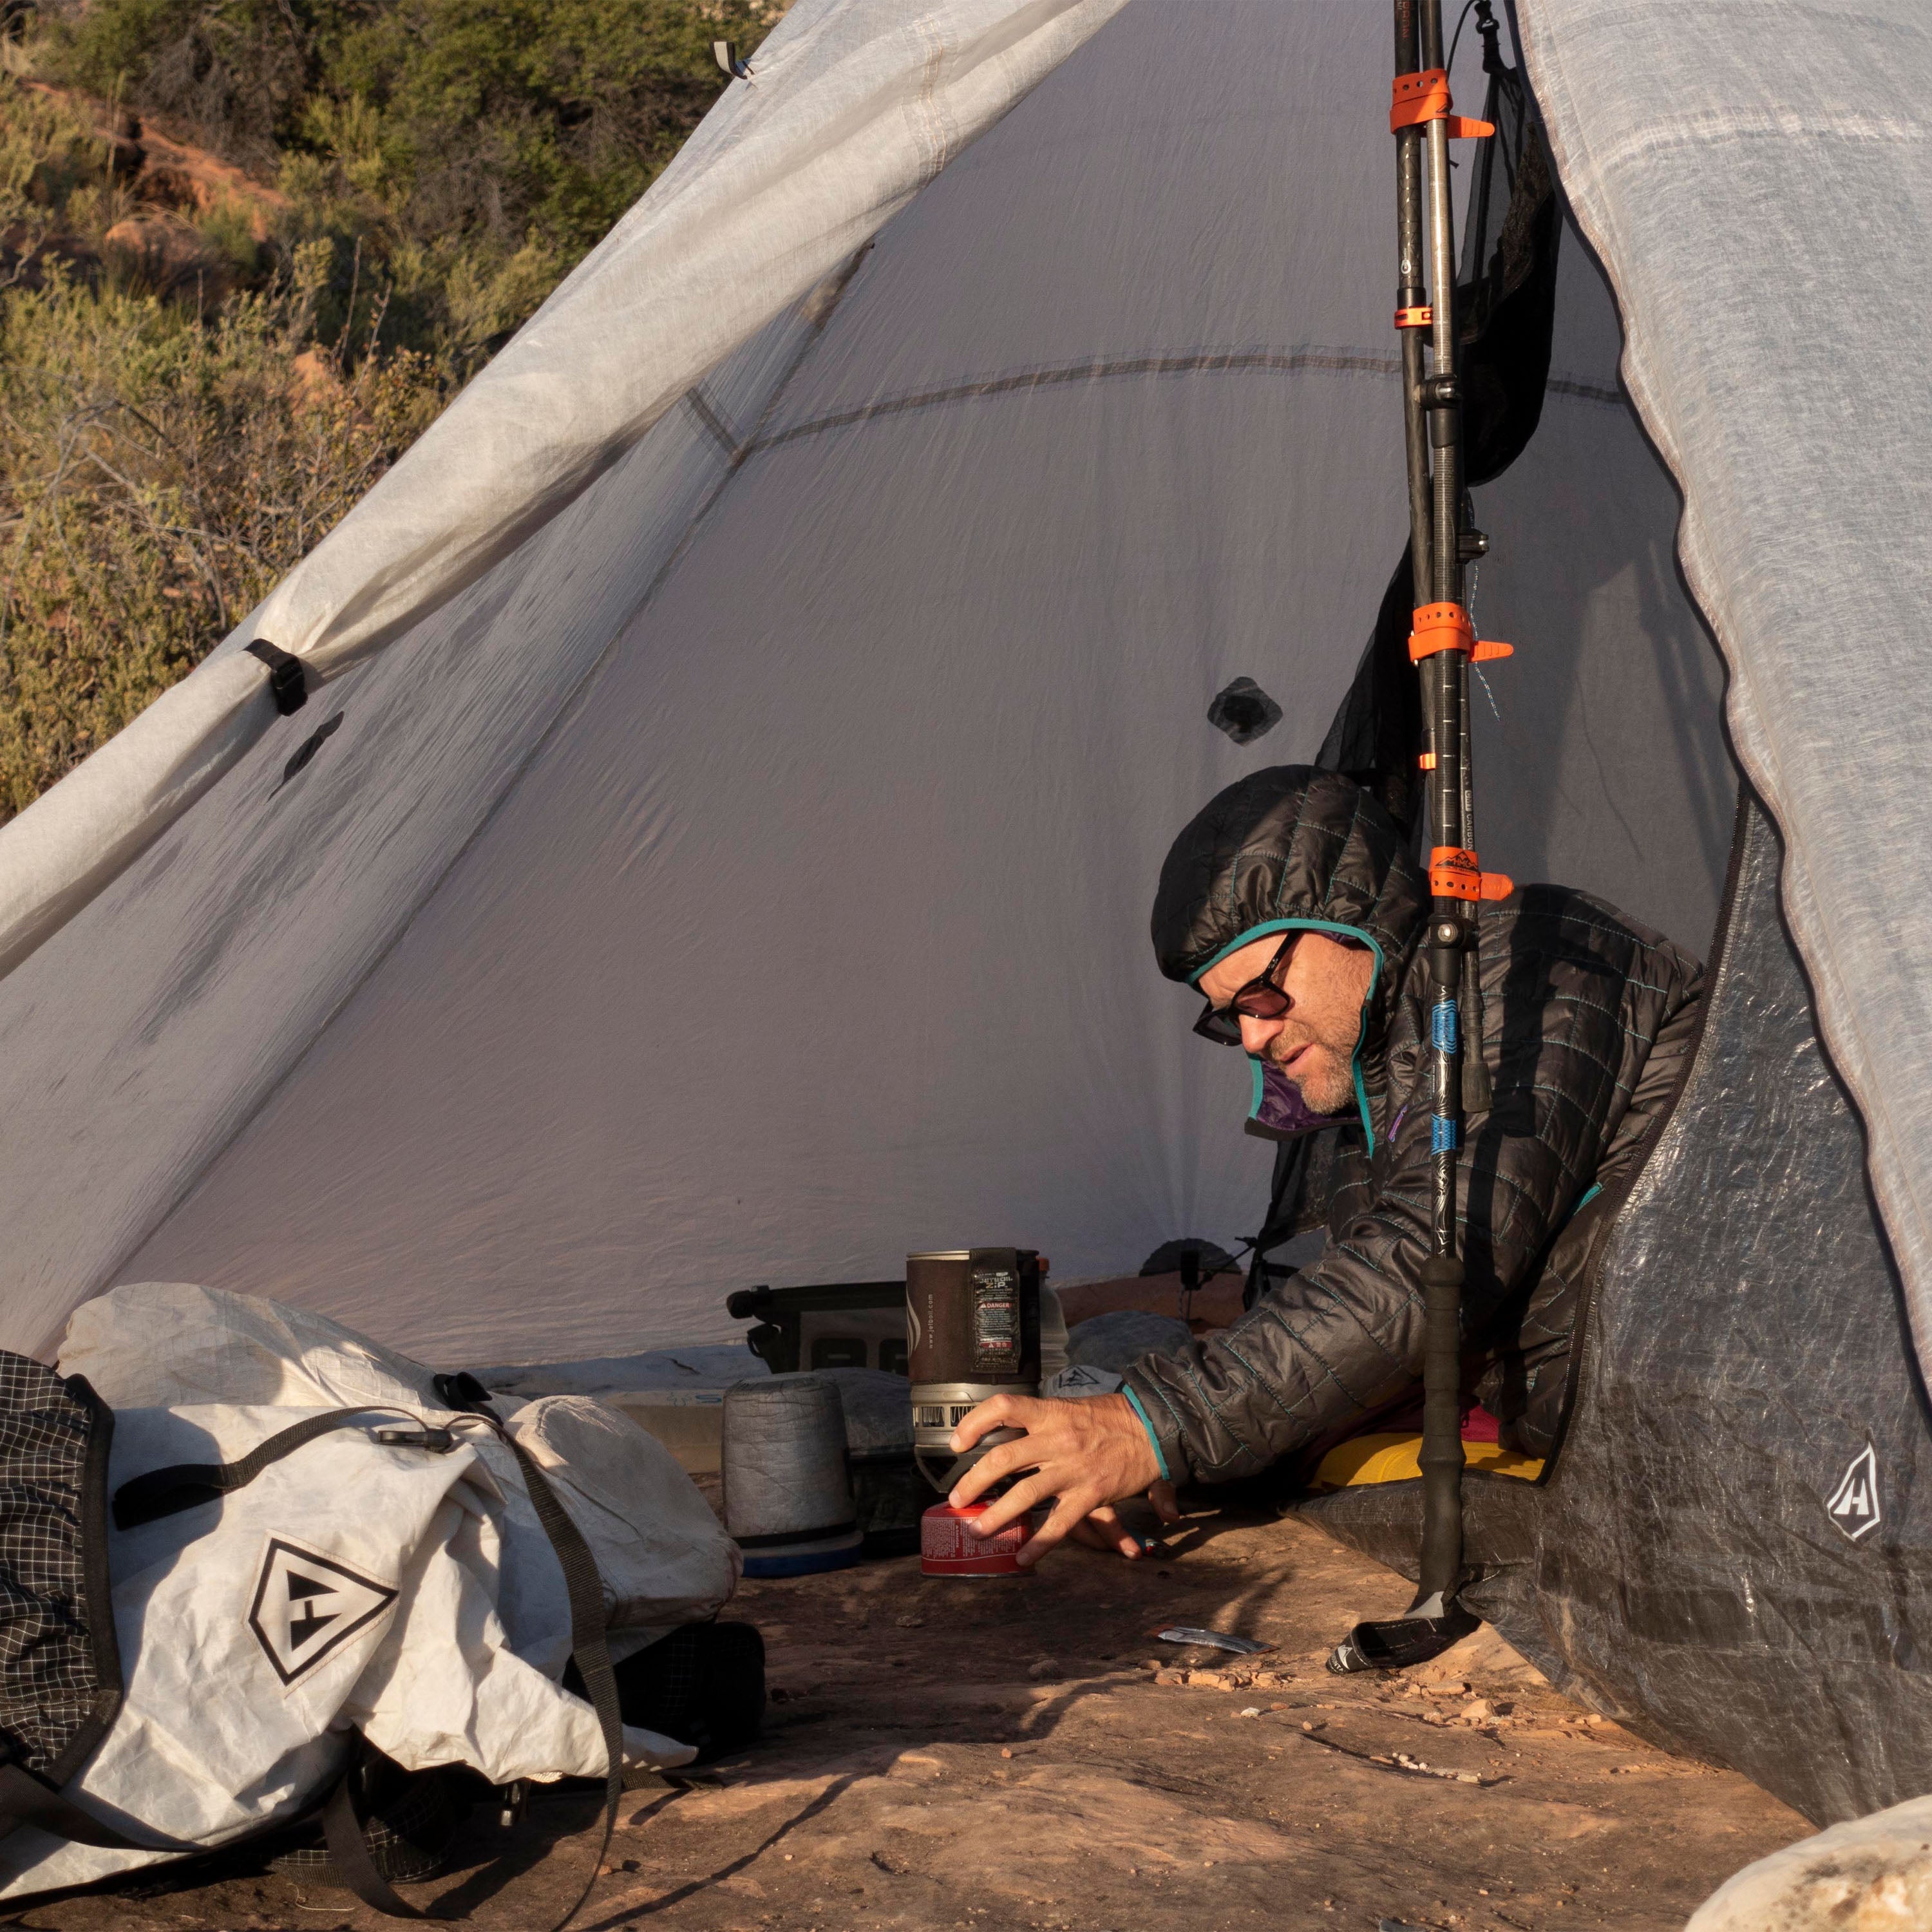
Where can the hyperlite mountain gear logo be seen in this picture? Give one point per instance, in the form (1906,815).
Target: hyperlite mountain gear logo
(307,1606)
(1855,1508)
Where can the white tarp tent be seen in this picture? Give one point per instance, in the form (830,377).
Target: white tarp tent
(745,877)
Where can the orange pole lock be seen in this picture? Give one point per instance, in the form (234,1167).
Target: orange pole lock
(1447,627)
(1423,317)
(1424,96)
(1455,873)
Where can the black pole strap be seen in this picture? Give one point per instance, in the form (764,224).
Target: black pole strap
(588,1648)
(288,681)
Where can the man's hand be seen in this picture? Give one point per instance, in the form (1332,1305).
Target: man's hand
(1088,1454)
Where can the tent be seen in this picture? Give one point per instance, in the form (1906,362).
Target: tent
(740,738)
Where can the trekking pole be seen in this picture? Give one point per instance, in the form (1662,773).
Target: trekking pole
(1442,644)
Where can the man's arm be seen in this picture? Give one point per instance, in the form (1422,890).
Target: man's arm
(1576,998)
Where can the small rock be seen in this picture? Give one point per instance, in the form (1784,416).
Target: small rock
(165,257)
(1211,1680)
(1252,1711)
(1170,1677)
(1047,1667)
(1477,1711)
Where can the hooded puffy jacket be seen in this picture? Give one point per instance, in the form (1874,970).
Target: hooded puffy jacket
(1589,1021)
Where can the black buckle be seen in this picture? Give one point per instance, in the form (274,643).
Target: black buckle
(438,1441)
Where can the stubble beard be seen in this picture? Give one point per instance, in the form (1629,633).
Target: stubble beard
(1326,1075)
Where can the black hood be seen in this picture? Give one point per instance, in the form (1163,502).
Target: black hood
(1288,846)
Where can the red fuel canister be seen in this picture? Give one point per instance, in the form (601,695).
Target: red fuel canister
(947,1547)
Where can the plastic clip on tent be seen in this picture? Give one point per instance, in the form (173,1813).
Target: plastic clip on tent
(1442,645)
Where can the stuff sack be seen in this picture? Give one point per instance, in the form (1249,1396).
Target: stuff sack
(401,1572)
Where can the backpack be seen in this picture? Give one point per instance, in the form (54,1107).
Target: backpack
(60,1681)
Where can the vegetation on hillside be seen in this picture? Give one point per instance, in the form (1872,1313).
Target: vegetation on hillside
(248,249)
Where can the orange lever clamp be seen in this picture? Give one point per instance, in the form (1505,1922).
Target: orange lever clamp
(1455,873)
(1447,627)
(1424,96)
(1423,317)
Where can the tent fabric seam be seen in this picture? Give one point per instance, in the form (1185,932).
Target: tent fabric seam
(1200,362)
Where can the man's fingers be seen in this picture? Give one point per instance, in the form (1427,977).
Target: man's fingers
(1066,1514)
(997,1462)
(1105,1530)
(1008,1508)
(996,1412)
(1165,1507)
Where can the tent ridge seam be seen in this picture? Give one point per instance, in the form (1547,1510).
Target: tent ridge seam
(1089,369)
(1100,368)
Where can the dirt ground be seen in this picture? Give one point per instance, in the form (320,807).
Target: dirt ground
(984,1756)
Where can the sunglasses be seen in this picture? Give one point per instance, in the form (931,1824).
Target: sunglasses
(1260,999)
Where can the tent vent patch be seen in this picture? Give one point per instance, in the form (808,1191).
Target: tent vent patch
(1855,1508)
(1244,711)
(306,1607)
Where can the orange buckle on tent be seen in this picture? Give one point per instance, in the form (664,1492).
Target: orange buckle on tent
(1423,317)
(1424,96)
(1426,761)
(1446,627)
(1455,874)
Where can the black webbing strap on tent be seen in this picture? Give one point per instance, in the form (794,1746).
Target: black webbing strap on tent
(183,1486)
(288,682)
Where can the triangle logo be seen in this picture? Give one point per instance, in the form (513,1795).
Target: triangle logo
(1855,1507)
(306,1605)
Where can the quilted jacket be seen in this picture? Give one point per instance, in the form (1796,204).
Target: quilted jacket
(1589,1023)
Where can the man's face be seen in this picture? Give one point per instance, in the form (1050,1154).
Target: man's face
(1314,1042)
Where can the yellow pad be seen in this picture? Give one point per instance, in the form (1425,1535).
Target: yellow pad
(1397,1459)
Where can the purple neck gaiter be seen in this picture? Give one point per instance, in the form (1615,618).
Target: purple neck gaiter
(1282,1110)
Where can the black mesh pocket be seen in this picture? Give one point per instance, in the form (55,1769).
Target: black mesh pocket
(408,1819)
(704,1684)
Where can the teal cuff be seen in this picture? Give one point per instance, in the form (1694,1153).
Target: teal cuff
(1149,1427)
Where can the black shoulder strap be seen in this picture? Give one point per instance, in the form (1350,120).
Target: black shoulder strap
(183,1486)
(24,1800)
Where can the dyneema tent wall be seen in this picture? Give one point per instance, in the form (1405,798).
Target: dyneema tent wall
(745,878)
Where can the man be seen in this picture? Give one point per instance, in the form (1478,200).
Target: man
(1292,905)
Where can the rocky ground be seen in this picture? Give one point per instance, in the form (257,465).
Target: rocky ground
(953,1756)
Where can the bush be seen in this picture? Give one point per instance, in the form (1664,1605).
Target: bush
(157,475)
(200,374)
(457,156)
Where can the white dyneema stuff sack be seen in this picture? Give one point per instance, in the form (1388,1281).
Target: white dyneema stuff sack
(403,1589)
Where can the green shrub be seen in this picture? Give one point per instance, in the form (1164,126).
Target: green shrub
(187,409)
(457,156)
(157,475)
